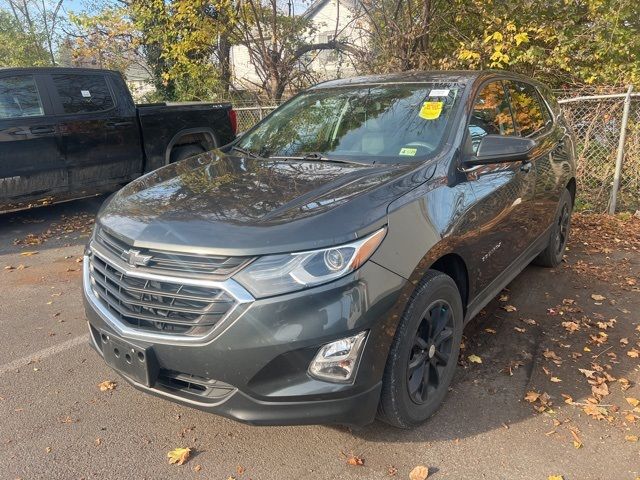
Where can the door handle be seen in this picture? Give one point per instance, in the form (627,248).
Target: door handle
(20,132)
(41,130)
(118,124)
(526,167)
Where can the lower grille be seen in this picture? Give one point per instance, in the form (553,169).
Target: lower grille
(194,385)
(164,307)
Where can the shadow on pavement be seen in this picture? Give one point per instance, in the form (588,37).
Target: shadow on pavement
(50,226)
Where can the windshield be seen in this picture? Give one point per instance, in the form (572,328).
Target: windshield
(373,123)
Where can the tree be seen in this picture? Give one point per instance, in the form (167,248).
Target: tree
(185,44)
(19,48)
(560,42)
(39,22)
(277,44)
(107,39)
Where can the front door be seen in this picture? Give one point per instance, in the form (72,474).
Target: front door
(31,160)
(504,191)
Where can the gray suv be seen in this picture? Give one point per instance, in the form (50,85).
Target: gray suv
(320,269)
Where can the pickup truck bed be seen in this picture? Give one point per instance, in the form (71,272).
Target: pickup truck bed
(70,133)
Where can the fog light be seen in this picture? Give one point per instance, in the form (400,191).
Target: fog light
(337,361)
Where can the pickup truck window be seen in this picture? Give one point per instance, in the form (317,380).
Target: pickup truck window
(19,97)
(83,93)
(391,123)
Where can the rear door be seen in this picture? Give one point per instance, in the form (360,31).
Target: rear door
(31,160)
(504,191)
(533,120)
(99,130)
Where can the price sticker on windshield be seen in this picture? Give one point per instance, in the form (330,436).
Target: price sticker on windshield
(431,110)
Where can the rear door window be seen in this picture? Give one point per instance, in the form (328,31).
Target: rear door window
(491,114)
(83,93)
(19,97)
(532,116)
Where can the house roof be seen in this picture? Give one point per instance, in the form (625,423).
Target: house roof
(315,7)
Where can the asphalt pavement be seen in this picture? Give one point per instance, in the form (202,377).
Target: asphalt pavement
(57,424)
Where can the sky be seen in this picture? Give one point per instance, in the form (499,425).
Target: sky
(77,6)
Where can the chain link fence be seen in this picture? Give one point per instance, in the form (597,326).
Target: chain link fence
(596,121)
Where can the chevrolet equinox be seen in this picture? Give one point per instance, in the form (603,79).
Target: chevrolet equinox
(321,267)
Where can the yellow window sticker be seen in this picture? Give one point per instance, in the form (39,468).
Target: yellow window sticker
(409,152)
(431,110)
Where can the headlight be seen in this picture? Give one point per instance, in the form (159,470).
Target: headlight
(277,274)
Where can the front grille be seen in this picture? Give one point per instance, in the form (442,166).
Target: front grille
(164,307)
(174,263)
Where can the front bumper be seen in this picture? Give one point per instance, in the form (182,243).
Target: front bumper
(263,351)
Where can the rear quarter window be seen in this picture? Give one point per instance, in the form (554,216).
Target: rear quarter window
(531,114)
(83,93)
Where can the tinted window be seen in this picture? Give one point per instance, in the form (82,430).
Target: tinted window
(531,115)
(382,123)
(491,114)
(19,97)
(83,93)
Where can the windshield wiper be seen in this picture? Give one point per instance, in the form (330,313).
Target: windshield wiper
(245,152)
(319,157)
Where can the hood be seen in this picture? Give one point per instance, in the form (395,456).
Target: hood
(216,203)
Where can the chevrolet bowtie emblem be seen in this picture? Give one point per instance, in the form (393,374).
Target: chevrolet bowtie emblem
(135,258)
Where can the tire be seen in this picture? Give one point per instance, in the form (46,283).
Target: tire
(404,401)
(185,151)
(552,255)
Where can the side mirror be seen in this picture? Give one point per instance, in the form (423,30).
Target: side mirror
(500,149)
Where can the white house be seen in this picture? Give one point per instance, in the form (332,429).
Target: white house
(332,20)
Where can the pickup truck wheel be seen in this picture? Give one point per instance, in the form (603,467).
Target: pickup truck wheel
(186,151)
(424,353)
(552,255)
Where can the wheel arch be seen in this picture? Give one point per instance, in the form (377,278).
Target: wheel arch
(454,266)
(189,136)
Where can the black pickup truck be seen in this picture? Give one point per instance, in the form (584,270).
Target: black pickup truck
(67,133)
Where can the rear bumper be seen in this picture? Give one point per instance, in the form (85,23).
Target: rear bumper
(262,356)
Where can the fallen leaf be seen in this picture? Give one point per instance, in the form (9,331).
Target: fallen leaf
(631,438)
(577,443)
(634,402)
(28,254)
(598,298)
(474,359)
(571,326)
(107,385)
(595,411)
(600,390)
(490,330)
(587,373)
(48,449)
(509,308)
(529,321)
(179,455)
(355,460)
(197,468)
(555,379)
(555,477)
(532,396)
(520,330)
(240,470)
(633,353)
(419,473)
